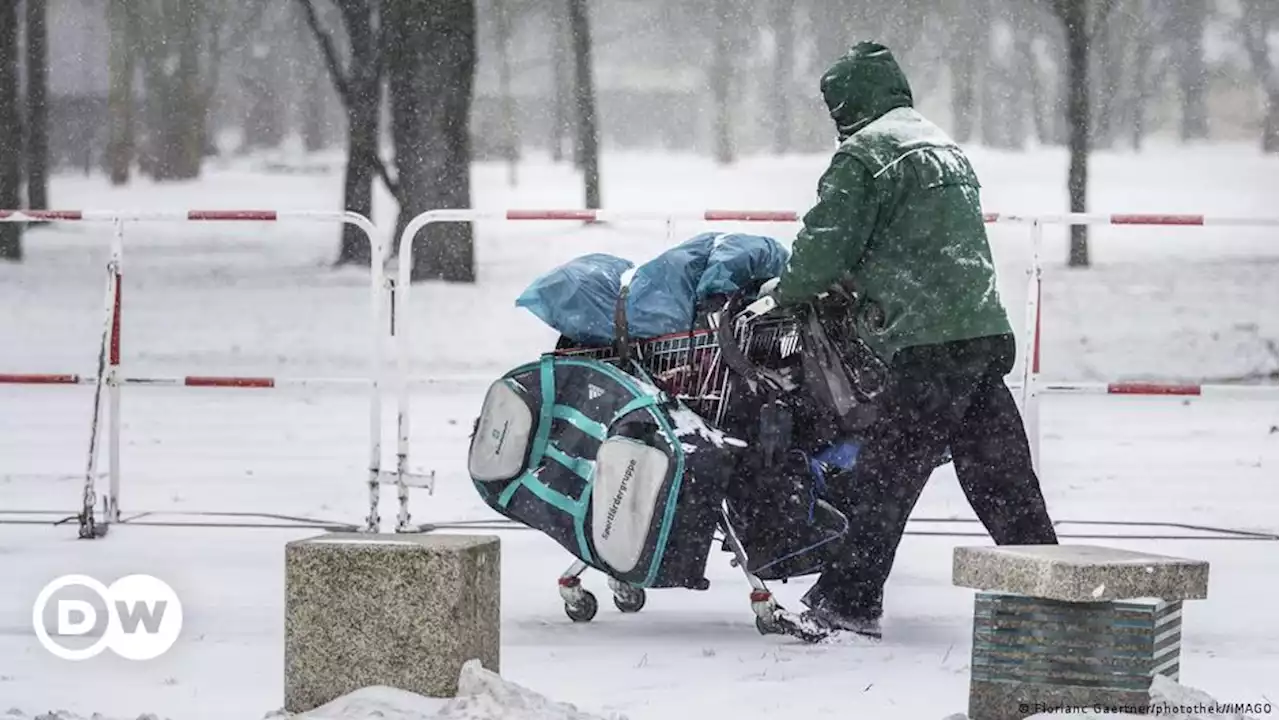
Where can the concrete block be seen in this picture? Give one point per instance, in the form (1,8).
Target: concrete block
(1060,627)
(1049,655)
(1079,573)
(402,611)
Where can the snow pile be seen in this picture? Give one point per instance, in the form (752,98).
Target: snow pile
(482,695)
(384,703)
(16,714)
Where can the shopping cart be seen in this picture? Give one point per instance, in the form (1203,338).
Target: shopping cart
(690,366)
(693,368)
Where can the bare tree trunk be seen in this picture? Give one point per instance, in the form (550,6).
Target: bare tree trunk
(964,72)
(1036,89)
(364,105)
(1060,97)
(10,132)
(37,105)
(1142,52)
(833,32)
(1270,141)
(1022,81)
(360,89)
(561,80)
(174,94)
(1031,26)
(990,92)
(1074,15)
(510,130)
(1190,18)
(266,60)
(263,126)
(120,146)
(314,137)
(311,105)
(1039,113)
(585,102)
(830,25)
(1108,47)
(721,81)
(1259,20)
(782,20)
(431,61)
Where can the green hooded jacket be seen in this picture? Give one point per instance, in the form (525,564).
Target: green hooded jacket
(898,218)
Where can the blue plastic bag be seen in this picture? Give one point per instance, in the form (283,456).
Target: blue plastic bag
(737,260)
(579,298)
(665,291)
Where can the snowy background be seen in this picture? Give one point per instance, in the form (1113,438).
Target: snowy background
(1193,304)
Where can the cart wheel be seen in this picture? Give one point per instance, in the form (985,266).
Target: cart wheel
(765,628)
(630,601)
(583,611)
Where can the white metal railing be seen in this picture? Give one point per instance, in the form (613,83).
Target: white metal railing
(1030,387)
(109,376)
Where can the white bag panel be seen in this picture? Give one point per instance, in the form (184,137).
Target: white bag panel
(502,438)
(628,480)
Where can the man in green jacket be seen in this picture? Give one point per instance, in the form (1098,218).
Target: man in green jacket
(898,222)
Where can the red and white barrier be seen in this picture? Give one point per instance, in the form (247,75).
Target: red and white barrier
(1031,386)
(110,377)
(1151,389)
(208,381)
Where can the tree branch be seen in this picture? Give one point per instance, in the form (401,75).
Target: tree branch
(342,83)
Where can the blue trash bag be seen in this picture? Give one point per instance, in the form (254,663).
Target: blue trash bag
(737,260)
(579,298)
(665,292)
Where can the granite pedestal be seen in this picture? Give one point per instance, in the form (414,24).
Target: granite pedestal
(404,611)
(1062,627)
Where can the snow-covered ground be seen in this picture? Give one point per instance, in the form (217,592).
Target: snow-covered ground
(1169,303)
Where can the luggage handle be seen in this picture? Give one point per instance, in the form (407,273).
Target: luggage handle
(621,334)
(622,345)
(732,353)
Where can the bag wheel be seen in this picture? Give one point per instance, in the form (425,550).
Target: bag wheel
(584,610)
(630,600)
(765,628)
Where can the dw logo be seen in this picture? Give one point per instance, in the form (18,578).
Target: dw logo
(138,617)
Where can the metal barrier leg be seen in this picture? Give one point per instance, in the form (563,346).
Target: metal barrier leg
(111,508)
(1031,349)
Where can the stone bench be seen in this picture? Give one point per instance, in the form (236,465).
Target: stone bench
(1069,626)
(403,611)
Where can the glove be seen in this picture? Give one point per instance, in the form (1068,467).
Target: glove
(768,288)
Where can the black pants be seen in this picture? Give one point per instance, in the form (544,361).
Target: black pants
(939,396)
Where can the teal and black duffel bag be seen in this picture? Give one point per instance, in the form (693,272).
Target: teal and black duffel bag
(627,479)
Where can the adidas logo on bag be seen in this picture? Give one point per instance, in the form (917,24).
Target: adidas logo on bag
(594,392)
